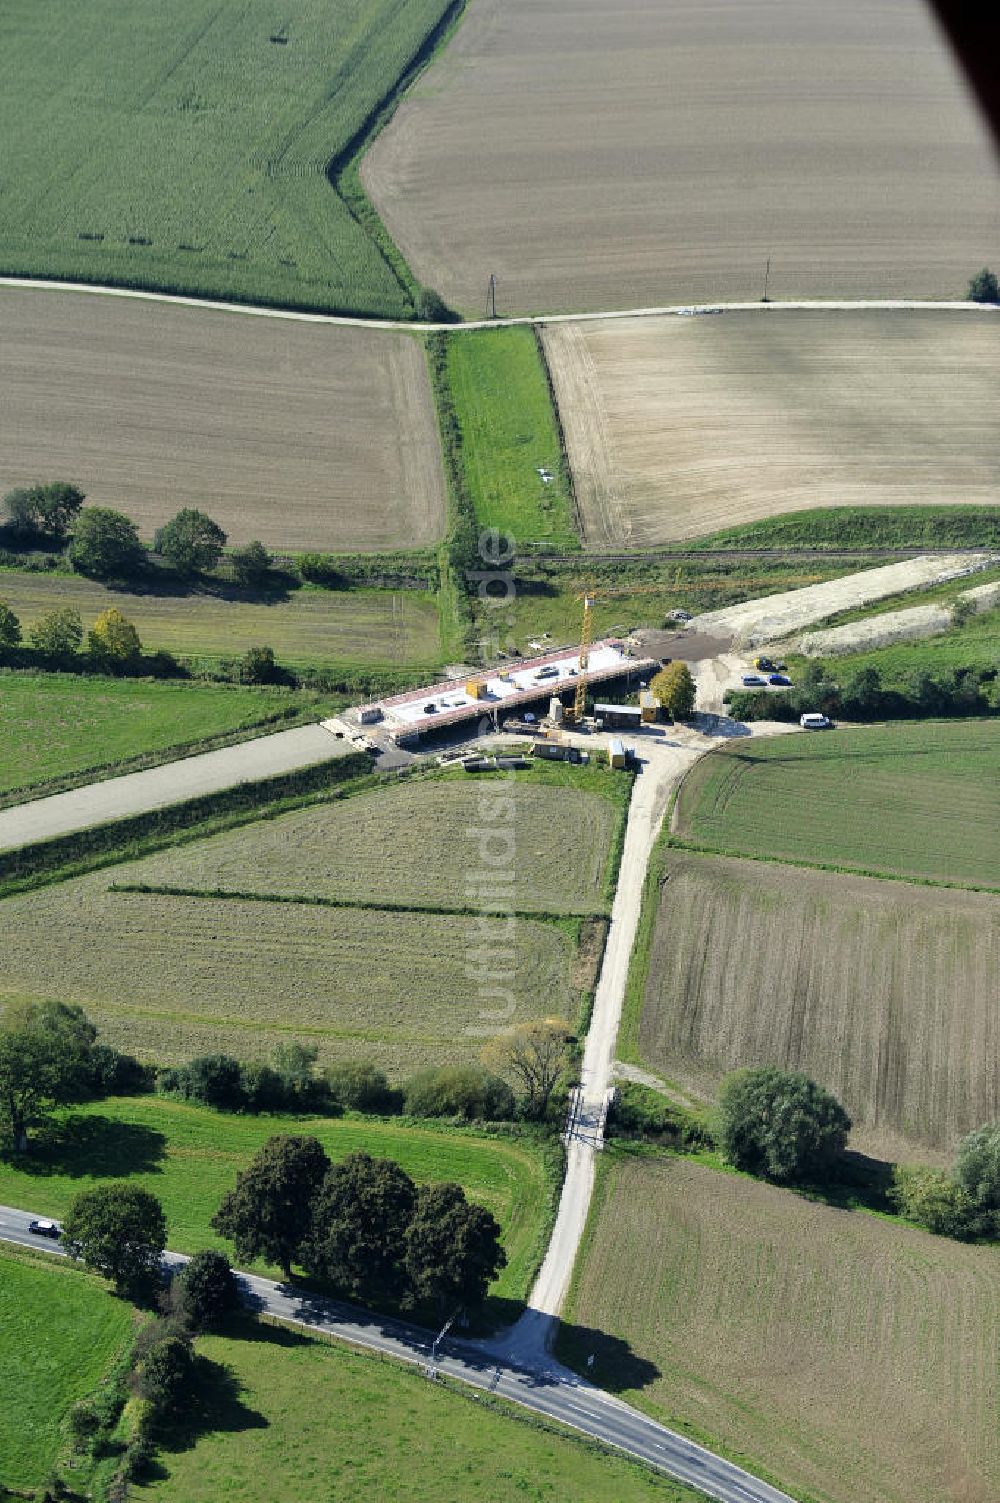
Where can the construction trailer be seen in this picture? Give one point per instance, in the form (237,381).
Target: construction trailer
(551,751)
(618,717)
(617,755)
(650,708)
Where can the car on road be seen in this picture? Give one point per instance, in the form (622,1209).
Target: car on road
(814,721)
(779,680)
(45,1228)
(753,681)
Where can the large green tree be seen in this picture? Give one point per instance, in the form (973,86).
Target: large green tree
(269,1213)
(105,544)
(453,1249)
(120,1230)
(191,541)
(58,633)
(360,1216)
(204,1291)
(781,1124)
(675,689)
(977,1171)
(45,511)
(45,1060)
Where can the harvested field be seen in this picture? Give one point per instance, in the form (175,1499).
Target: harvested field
(921,800)
(186,146)
(635,155)
(305,436)
(884,991)
(419,843)
(850,1357)
(170,977)
(398,627)
(678,427)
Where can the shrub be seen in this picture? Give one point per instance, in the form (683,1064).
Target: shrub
(459,1091)
(251,565)
(105,544)
(977,1171)
(213,1079)
(361,1088)
(115,1074)
(10,627)
(113,639)
(984,287)
(321,569)
(263,1088)
(84,1423)
(205,1289)
(780,1124)
(162,1374)
(58,633)
(931,1198)
(257,666)
(639,1112)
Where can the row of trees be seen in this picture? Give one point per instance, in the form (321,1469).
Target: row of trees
(863,696)
(362,1224)
(59,634)
(533,1056)
(105,544)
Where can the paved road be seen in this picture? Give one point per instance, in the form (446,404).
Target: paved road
(137,792)
(547,1390)
(345,321)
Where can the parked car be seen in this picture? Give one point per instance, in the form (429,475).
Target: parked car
(45,1228)
(764,663)
(430,709)
(815,722)
(753,681)
(779,680)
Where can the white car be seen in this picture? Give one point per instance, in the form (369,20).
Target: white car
(815,722)
(45,1228)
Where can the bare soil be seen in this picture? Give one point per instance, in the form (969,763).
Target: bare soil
(305,436)
(679,427)
(599,156)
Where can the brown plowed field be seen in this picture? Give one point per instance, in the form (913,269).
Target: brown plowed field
(678,427)
(600,156)
(854,1359)
(885,992)
(305,436)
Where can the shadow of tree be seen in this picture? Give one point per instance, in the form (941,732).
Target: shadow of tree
(97,1146)
(615,1367)
(213,1404)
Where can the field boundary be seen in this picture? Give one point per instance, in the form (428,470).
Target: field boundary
(567,468)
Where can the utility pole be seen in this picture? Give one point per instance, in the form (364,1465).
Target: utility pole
(491,297)
(767,273)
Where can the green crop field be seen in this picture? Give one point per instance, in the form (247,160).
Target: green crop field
(974,644)
(371,1429)
(920,800)
(509,435)
(60,1332)
(188,1156)
(398,627)
(170,977)
(185,146)
(885,992)
(420,843)
(833,527)
(56,726)
(847,1356)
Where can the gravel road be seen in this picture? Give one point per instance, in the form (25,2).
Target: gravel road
(117,798)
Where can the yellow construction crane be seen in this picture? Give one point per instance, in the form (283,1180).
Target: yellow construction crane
(586,637)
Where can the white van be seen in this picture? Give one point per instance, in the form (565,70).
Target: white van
(815,722)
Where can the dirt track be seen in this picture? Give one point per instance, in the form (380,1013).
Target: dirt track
(305,436)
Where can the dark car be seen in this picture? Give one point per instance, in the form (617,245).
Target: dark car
(753,681)
(430,709)
(45,1228)
(779,680)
